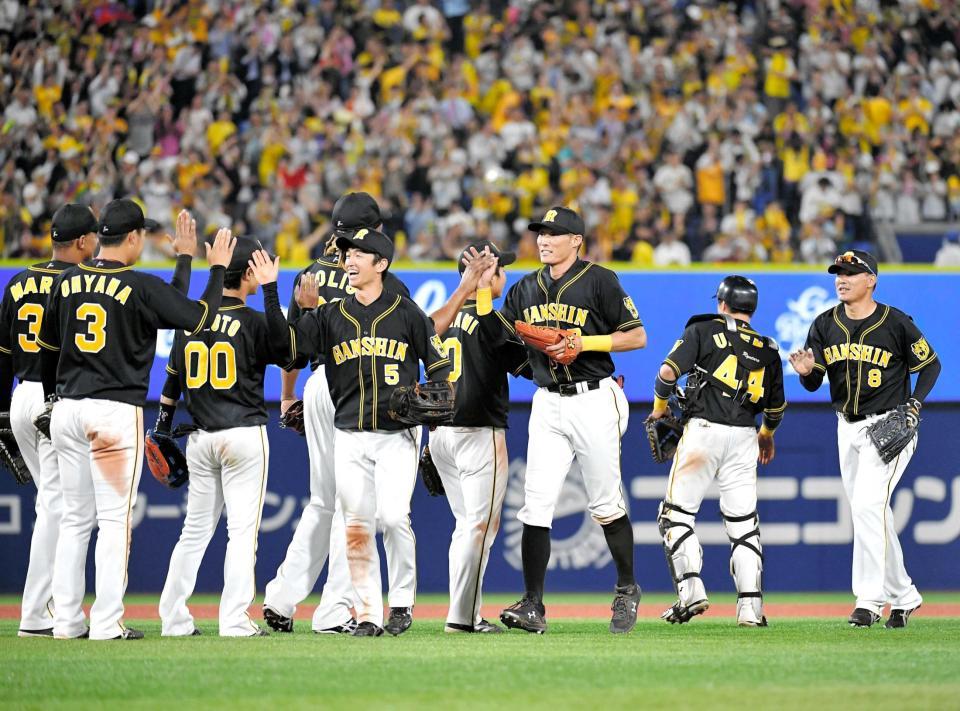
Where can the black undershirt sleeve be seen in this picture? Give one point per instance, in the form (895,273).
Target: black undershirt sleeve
(926,379)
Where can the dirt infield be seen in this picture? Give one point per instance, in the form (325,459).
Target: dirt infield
(558,611)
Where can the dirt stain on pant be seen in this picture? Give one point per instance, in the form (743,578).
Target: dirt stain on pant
(111,460)
(359,554)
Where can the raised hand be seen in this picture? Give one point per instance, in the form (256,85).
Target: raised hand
(221,252)
(308,292)
(476,263)
(185,241)
(265,270)
(802,361)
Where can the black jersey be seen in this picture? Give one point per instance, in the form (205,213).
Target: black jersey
(332,280)
(368,351)
(868,361)
(220,370)
(587,299)
(480,357)
(21,314)
(739,371)
(103,319)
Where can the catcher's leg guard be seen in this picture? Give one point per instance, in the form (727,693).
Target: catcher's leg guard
(684,559)
(746,567)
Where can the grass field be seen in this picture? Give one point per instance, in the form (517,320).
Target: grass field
(710,663)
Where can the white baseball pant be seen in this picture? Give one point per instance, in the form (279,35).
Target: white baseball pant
(26,404)
(587,426)
(228,469)
(376,472)
(879,574)
(473,465)
(99,445)
(319,536)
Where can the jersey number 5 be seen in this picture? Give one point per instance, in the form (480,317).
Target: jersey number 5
(726,373)
(218,363)
(95,338)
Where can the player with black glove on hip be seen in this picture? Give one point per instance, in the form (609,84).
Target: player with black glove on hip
(736,375)
(869,350)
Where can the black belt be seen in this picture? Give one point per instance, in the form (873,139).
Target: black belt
(861,418)
(568,389)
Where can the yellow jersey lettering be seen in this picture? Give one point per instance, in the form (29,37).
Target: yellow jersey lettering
(45,284)
(100,285)
(16,291)
(124,295)
(338,355)
(113,286)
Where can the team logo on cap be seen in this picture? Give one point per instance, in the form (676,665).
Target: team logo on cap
(550,216)
(105,229)
(921,349)
(628,302)
(361,233)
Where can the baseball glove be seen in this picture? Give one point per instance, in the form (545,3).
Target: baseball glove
(42,421)
(892,433)
(540,337)
(430,475)
(10,457)
(429,404)
(292,419)
(663,434)
(166,460)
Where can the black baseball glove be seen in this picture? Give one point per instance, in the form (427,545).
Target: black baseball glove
(429,404)
(292,419)
(42,421)
(892,433)
(166,460)
(10,457)
(430,475)
(663,434)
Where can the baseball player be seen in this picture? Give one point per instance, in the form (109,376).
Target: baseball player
(372,341)
(98,337)
(736,374)
(320,533)
(578,411)
(74,240)
(868,351)
(471,453)
(220,371)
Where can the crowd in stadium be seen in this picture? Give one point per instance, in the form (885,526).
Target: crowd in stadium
(744,131)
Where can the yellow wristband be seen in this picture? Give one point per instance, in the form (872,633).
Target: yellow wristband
(765,432)
(484,301)
(597,343)
(659,403)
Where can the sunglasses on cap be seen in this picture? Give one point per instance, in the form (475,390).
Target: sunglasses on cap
(851,258)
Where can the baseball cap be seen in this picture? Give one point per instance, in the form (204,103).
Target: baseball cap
(367,240)
(354,211)
(72,221)
(243,252)
(855,261)
(151,225)
(121,216)
(503,258)
(559,221)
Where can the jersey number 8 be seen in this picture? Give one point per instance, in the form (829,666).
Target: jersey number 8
(218,363)
(726,373)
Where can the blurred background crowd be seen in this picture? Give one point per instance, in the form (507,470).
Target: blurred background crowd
(773,131)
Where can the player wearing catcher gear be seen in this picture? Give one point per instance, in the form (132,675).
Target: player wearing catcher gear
(74,239)
(220,372)
(319,535)
(471,453)
(869,350)
(578,410)
(736,375)
(372,342)
(98,335)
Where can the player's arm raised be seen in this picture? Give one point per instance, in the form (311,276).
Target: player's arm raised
(476,264)
(185,246)
(808,361)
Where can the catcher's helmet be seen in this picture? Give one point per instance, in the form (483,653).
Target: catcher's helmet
(739,293)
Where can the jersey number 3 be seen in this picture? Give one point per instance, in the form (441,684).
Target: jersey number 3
(726,373)
(95,338)
(32,314)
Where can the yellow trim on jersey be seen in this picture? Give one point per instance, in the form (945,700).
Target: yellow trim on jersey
(325,263)
(373,356)
(817,366)
(507,324)
(46,345)
(171,370)
(630,324)
(923,365)
(206,310)
(343,310)
(874,327)
(557,301)
(233,308)
(5,350)
(523,365)
(437,365)
(105,270)
(43,270)
(836,319)
(293,347)
(775,410)
(673,366)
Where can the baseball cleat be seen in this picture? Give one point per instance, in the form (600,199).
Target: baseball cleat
(744,622)
(276,621)
(679,613)
(84,635)
(368,629)
(45,632)
(347,627)
(899,618)
(260,633)
(624,608)
(129,633)
(399,620)
(526,614)
(482,627)
(196,633)
(862,617)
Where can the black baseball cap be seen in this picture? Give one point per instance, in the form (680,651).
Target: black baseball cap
(355,211)
(367,240)
(243,253)
(559,221)
(503,258)
(72,221)
(151,225)
(855,261)
(121,216)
